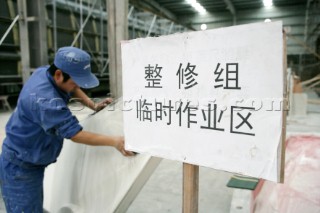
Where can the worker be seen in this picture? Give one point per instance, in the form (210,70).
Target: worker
(40,122)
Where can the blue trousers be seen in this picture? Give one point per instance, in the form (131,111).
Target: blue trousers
(21,186)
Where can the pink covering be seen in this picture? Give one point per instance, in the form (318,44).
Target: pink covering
(301,189)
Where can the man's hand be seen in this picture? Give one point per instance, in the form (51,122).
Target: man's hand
(103,104)
(120,147)
(94,139)
(84,99)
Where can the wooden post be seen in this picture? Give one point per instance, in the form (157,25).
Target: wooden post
(281,149)
(190,188)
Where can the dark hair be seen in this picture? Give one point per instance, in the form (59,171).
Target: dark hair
(52,70)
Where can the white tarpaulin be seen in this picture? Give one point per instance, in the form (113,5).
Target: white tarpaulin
(209,98)
(96,178)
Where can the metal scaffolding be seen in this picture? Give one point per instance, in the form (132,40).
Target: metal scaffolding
(47,25)
(140,24)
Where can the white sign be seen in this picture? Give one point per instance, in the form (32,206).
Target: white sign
(211,98)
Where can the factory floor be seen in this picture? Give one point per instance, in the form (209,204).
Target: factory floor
(163,191)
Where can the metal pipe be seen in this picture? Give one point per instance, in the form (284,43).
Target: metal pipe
(76,7)
(84,24)
(105,67)
(306,21)
(170,28)
(81,22)
(130,12)
(133,26)
(101,39)
(10,76)
(232,9)
(151,26)
(9,56)
(8,30)
(54,11)
(84,38)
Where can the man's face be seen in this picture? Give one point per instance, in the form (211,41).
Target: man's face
(68,86)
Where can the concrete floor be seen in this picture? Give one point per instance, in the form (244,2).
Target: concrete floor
(163,191)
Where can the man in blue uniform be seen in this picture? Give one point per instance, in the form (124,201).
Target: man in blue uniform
(40,122)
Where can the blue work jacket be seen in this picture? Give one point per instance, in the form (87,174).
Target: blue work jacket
(40,122)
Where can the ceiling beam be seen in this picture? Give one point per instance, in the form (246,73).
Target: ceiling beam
(253,14)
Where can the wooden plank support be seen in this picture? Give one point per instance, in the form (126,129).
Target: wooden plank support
(190,188)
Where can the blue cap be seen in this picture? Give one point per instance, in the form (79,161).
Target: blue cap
(76,63)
